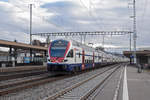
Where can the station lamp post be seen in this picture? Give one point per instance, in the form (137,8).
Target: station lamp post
(31,24)
(134,30)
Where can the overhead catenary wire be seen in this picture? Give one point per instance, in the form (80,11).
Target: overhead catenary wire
(88,9)
(143,14)
(90,12)
(96,18)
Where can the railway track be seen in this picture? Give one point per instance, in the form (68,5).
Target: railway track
(19,81)
(28,83)
(115,91)
(12,87)
(82,90)
(20,74)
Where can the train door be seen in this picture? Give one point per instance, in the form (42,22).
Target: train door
(83,60)
(75,58)
(93,59)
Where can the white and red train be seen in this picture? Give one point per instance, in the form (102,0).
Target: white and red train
(72,56)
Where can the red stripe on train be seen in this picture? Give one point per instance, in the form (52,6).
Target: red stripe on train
(83,58)
(93,59)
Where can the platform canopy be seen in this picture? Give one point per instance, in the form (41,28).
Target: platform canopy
(138,53)
(4,43)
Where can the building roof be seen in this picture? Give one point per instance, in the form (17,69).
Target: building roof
(138,53)
(21,45)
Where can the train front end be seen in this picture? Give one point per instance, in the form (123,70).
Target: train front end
(58,50)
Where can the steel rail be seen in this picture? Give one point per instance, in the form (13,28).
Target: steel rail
(15,82)
(90,92)
(101,88)
(28,84)
(21,74)
(64,91)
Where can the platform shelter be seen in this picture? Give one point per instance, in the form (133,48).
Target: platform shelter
(143,57)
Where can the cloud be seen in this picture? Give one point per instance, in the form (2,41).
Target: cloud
(74,15)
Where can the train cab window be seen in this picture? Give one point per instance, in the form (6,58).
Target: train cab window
(70,54)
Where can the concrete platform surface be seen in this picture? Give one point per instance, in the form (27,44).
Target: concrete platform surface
(138,84)
(133,85)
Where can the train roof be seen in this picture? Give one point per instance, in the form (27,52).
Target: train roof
(88,48)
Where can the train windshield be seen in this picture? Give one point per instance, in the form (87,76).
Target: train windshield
(58,48)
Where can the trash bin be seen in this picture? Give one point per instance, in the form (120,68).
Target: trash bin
(13,64)
(139,68)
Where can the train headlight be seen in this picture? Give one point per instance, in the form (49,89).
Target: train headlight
(65,60)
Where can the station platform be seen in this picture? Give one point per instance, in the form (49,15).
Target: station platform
(138,84)
(22,68)
(133,85)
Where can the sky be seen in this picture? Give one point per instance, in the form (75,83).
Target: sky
(76,15)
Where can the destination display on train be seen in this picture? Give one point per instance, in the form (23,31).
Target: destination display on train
(59,45)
